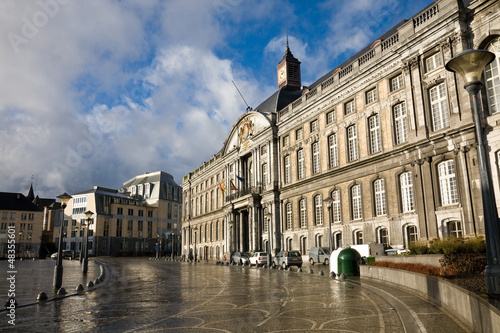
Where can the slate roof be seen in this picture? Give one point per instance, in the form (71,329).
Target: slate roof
(279,100)
(17,201)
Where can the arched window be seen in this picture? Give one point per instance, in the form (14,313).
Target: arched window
(455,229)
(337,236)
(407,199)
(358,237)
(289,216)
(301,167)
(411,234)
(447,183)
(315,158)
(319,240)
(303,213)
(492,76)
(356,202)
(383,236)
(352,143)
(379,195)
(303,245)
(375,135)
(287,172)
(439,107)
(333,155)
(318,210)
(400,123)
(336,206)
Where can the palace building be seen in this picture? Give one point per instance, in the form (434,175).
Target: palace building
(381,149)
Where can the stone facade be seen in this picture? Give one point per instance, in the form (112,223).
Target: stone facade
(387,138)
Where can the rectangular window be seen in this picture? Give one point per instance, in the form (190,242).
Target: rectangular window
(349,107)
(352,143)
(333,157)
(263,150)
(447,183)
(439,107)
(330,117)
(375,135)
(118,227)
(371,96)
(400,123)
(314,125)
(131,212)
(303,213)
(150,229)
(316,159)
(287,169)
(299,134)
(433,62)
(407,199)
(356,202)
(119,211)
(286,141)
(379,188)
(301,168)
(147,189)
(130,228)
(397,82)
(106,227)
(140,189)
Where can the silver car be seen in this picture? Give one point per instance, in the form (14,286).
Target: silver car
(258,259)
(288,258)
(240,257)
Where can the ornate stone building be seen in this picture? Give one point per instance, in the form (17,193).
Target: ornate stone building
(382,147)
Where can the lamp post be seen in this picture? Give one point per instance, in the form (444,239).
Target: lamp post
(58,269)
(172,247)
(268,217)
(21,251)
(195,229)
(28,247)
(88,214)
(157,246)
(470,65)
(329,202)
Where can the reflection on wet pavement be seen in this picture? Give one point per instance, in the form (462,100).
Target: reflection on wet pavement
(144,295)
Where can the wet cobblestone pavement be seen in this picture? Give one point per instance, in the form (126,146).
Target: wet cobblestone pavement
(141,295)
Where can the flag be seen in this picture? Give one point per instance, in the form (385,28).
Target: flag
(233,188)
(222,187)
(241,179)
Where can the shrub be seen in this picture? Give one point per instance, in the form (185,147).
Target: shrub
(418,248)
(475,245)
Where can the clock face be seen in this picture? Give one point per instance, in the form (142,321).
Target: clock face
(282,74)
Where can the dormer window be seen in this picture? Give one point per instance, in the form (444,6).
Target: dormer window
(140,189)
(147,190)
(133,190)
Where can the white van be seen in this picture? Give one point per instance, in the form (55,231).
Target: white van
(320,255)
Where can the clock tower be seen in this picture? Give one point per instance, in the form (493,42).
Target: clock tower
(289,71)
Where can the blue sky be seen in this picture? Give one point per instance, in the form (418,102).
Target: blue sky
(95,92)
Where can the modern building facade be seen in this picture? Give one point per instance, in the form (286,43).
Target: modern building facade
(141,218)
(381,149)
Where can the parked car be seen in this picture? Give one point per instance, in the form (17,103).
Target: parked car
(288,258)
(66,254)
(258,259)
(241,258)
(319,255)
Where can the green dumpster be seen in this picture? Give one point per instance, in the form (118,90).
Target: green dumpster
(370,260)
(348,262)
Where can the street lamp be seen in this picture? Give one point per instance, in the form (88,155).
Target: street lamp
(157,245)
(268,217)
(28,247)
(88,214)
(20,243)
(172,247)
(470,65)
(195,229)
(58,269)
(329,202)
